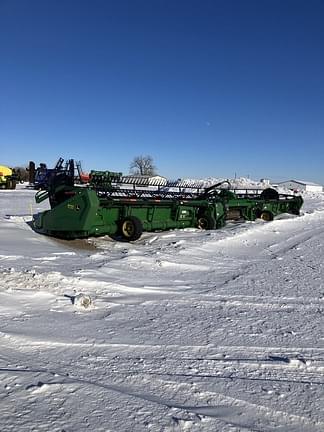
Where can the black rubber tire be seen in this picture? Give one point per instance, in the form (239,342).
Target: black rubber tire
(266,216)
(11,184)
(131,228)
(269,194)
(295,212)
(206,222)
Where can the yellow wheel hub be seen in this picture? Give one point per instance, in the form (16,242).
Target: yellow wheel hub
(128,229)
(202,223)
(266,216)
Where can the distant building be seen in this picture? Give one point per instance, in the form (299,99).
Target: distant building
(157,180)
(145,180)
(265,181)
(299,185)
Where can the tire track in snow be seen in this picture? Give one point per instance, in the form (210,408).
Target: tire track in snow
(293,362)
(27,344)
(233,411)
(244,414)
(281,248)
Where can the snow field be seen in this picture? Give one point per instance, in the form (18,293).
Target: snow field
(188,330)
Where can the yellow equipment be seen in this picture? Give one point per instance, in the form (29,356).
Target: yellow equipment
(8,178)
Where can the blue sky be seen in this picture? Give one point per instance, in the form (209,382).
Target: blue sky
(208,88)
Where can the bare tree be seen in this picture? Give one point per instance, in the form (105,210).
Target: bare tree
(142,165)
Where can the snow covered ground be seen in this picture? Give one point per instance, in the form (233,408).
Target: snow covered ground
(188,330)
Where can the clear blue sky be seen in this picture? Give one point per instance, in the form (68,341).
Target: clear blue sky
(207,87)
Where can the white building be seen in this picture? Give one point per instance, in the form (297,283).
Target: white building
(298,185)
(265,182)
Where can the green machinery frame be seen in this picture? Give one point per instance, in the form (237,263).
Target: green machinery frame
(124,207)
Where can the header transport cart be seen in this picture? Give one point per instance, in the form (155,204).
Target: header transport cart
(125,206)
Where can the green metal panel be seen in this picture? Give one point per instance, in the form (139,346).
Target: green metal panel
(78,214)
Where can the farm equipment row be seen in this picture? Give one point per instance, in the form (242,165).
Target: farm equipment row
(40,177)
(125,206)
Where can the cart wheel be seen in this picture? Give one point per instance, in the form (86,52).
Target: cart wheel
(206,222)
(269,194)
(266,216)
(295,212)
(11,184)
(131,228)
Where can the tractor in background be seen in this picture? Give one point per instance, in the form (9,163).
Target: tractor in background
(8,177)
(40,177)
